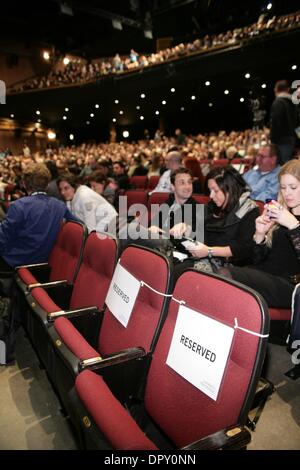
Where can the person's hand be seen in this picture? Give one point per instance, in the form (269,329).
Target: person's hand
(180,229)
(263,223)
(282,215)
(199,250)
(155,229)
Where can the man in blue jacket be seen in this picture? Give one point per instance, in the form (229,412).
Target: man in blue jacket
(29,230)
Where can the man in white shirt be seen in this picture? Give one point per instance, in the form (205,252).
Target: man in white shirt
(172,162)
(87,205)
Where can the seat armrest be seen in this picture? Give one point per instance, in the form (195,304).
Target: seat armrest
(233,438)
(71,313)
(113,359)
(33,266)
(47,285)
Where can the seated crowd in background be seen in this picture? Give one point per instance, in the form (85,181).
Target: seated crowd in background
(79,71)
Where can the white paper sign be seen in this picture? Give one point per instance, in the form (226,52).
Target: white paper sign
(122,293)
(199,350)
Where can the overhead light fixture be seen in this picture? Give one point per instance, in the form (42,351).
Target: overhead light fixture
(116,24)
(51,135)
(46,55)
(66,60)
(182,108)
(117,101)
(114,120)
(65,9)
(157,113)
(141,118)
(207,83)
(242,100)
(66,109)
(269,6)
(143,95)
(210,105)
(247,75)
(193,97)
(12,116)
(226,92)
(71,137)
(64,118)
(88,122)
(294,67)
(164,102)
(92,114)
(97,106)
(39,120)
(264,85)
(121,112)
(125,134)
(37,112)
(172,90)
(138,107)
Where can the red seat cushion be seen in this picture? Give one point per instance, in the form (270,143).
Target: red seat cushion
(110,416)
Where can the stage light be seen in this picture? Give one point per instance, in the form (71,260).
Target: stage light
(125,134)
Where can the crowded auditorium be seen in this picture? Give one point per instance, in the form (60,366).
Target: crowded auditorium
(149,228)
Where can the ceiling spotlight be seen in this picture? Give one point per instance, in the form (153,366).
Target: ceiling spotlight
(87,122)
(66,60)
(92,114)
(114,120)
(141,118)
(210,105)
(193,97)
(247,75)
(121,112)
(39,120)
(242,100)
(157,113)
(117,101)
(269,6)
(38,112)
(164,102)
(71,137)
(264,85)
(294,67)
(226,92)
(12,116)
(138,107)
(182,108)
(46,55)
(66,109)
(97,106)
(125,134)
(172,90)
(37,125)
(51,135)
(64,118)
(207,83)
(143,95)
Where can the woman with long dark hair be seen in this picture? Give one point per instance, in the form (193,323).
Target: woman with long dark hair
(229,220)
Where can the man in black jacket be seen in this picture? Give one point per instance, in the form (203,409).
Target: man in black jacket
(284,120)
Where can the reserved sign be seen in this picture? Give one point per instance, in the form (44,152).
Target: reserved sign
(199,350)
(122,293)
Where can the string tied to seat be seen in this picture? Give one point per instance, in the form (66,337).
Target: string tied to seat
(237,327)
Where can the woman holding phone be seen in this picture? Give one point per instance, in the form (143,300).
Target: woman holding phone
(276,243)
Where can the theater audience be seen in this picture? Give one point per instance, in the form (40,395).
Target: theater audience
(88,206)
(172,163)
(263,180)
(276,243)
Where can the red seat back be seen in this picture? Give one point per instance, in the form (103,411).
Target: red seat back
(153,181)
(67,252)
(139,182)
(149,309)
(96,270)
(182,411)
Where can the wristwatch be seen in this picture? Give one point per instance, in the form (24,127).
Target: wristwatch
(210,253)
